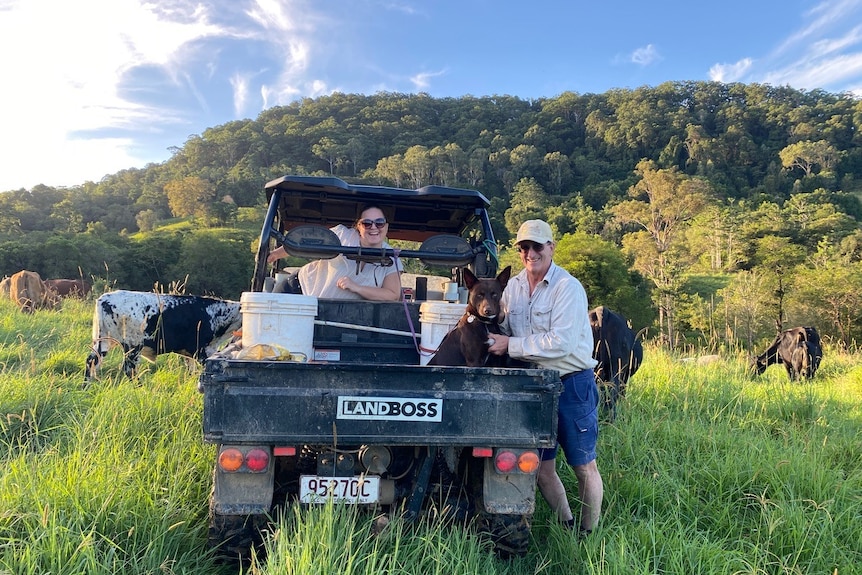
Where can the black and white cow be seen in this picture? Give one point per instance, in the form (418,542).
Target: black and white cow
(798,349)
(147,324)
(619,353)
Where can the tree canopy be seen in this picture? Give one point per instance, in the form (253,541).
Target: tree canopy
(685,178)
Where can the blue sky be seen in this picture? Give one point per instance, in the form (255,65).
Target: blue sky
(92,87)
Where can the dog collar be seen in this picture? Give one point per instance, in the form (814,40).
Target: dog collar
(471,318)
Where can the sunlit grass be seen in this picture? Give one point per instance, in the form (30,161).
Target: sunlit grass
(706,471)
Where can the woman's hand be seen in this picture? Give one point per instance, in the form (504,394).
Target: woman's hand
(276,254)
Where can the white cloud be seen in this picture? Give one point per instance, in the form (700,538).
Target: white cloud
(422,80)
(823,54)
(65,63)
(818,74)
(294,42)
(318,88)
(821,19)
(645,56)
(730,72)
(239,83)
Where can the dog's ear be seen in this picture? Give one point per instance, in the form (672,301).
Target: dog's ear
(503,276)
(469,278)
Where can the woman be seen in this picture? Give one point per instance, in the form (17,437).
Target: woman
(341,278)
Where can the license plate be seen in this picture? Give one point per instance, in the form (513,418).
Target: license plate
(317,489)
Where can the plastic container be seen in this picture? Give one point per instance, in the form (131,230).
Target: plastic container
(281,319)
(437,319)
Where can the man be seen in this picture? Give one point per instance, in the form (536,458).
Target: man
(547,317)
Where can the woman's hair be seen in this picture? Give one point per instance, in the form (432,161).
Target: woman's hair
(367,207)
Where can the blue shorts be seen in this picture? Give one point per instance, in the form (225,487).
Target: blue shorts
(578,419)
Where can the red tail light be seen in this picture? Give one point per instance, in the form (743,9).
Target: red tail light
(257,460)
(482,452)
(505,461)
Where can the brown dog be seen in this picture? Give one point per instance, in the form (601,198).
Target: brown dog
(467,343)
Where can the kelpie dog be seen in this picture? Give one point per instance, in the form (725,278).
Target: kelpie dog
(467,343)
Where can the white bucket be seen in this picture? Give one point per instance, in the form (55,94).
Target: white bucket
(280,319)
(437,319)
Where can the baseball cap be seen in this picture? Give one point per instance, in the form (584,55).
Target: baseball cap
(535,231)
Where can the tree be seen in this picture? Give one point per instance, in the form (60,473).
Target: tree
(189,196)
(356,152)
(813,216)
(830,288)
(604,272)
(573,146)
(557,165)
(714,237)
(832,292)
(476,166)
(745,305)
(450,161)
(328,150)
(528,202)
(209,275)
(777,257)
(662,205)
(391,169)
(417,164)
(146,220)
(807,155)
(525,160)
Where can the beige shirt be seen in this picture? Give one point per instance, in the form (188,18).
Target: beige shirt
(552,327)
(318,278)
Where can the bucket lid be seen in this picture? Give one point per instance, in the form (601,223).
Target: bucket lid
(259,296)
(432,309)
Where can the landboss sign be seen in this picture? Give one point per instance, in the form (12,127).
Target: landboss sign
(390,408)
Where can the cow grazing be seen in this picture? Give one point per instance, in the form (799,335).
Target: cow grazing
(5,287)
(798,349)
(69,287)
(619,354)
(27,289)
(147,324)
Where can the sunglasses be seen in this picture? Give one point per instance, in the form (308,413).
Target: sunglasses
(379,222)
(524,247)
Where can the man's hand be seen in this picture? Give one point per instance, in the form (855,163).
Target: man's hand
(500,345)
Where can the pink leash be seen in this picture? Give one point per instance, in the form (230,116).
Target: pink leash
(419,349)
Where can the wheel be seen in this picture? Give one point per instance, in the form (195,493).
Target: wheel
(510,533)
(232,537)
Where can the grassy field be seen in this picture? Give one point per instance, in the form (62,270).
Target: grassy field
(706,472)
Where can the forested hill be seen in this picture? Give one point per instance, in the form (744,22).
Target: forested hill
(768,164)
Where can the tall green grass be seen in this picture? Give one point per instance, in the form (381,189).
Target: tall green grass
(706,471)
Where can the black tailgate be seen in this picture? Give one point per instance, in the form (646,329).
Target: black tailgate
(352,404)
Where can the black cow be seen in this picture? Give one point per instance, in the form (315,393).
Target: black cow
(146,324)
(798,349)
(618,352)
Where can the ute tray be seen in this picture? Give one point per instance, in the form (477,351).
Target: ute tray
(289,403)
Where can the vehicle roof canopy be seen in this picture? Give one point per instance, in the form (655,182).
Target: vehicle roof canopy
(412,214)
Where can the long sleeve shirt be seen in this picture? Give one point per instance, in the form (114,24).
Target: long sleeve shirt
(551,327)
